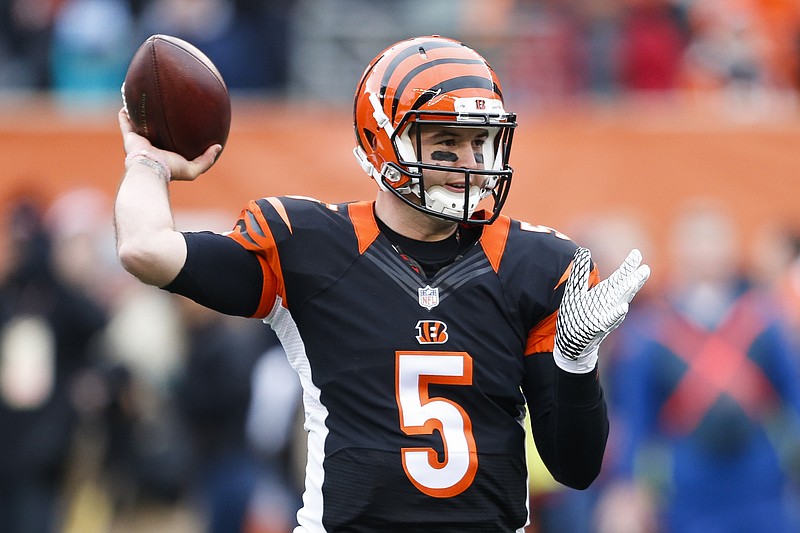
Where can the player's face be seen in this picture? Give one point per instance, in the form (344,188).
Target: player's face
(448,146)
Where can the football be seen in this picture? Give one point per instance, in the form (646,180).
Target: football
(176,97)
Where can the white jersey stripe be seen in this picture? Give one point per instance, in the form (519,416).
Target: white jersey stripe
(310,515)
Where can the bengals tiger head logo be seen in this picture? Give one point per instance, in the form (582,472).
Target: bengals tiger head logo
(431,332)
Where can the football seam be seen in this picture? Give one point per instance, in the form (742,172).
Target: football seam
(198,60)
(157,79)
(216,75)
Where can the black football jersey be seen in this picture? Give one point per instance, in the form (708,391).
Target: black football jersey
(412,385)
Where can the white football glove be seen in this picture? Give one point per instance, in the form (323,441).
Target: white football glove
(586,316)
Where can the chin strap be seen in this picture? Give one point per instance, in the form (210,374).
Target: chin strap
(364,163)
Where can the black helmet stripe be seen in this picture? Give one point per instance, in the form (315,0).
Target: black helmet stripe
(401,87)
(414,48)
(453,84)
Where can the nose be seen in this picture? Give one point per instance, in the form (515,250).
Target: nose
(468,157)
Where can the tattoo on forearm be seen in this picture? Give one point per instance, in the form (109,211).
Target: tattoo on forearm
(155,165)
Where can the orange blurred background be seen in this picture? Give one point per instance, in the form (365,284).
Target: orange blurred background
(572,166)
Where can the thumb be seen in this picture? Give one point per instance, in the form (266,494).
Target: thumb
(205,161)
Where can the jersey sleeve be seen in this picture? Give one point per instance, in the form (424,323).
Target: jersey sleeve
(236,273)
(220,274)
(569,420)
(569,416)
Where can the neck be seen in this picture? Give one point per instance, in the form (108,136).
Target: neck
(409,222)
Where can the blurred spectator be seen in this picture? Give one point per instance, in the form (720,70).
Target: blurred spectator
(555,508)
(610,236)
(602,34)
(706,375)
(246,40)
(789,290)
(92,46)
(149,452)
(547,50)
(728,56)
(652,45)
(47,335)
(83,244)
(779,255)
(545,64)
(213,396)
(26,31)
(275,432)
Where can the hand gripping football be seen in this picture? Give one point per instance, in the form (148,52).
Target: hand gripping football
(176,97)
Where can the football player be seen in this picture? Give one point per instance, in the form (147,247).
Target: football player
(421,322)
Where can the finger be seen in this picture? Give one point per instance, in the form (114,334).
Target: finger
(207,160)
(621,281)
(124,121)
(640,277)
(631,263)
(211,154)
(636,282)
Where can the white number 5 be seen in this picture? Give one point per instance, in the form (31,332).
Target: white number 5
(421,415)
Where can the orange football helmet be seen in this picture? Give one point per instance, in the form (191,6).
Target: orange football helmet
(439,81)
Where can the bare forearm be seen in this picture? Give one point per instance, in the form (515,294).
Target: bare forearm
(148,245)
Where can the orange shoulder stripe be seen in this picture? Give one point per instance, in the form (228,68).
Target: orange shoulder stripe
(276,203)
(259,239)
(268,290)
(594,276)
(270,251)
(363,218)
(494,240)
(542,338)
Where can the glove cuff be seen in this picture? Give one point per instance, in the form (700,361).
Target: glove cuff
(581,365)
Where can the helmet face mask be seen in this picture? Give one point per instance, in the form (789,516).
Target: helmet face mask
(425,83)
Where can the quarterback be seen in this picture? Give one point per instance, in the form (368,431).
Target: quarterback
(421,322)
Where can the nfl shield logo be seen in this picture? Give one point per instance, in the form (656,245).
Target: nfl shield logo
(428,297)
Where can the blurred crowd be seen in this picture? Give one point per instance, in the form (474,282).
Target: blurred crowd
(702,380)
(84,46)
(544,50)
(127,409)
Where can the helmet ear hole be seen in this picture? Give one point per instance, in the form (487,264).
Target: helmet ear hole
(371,138)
